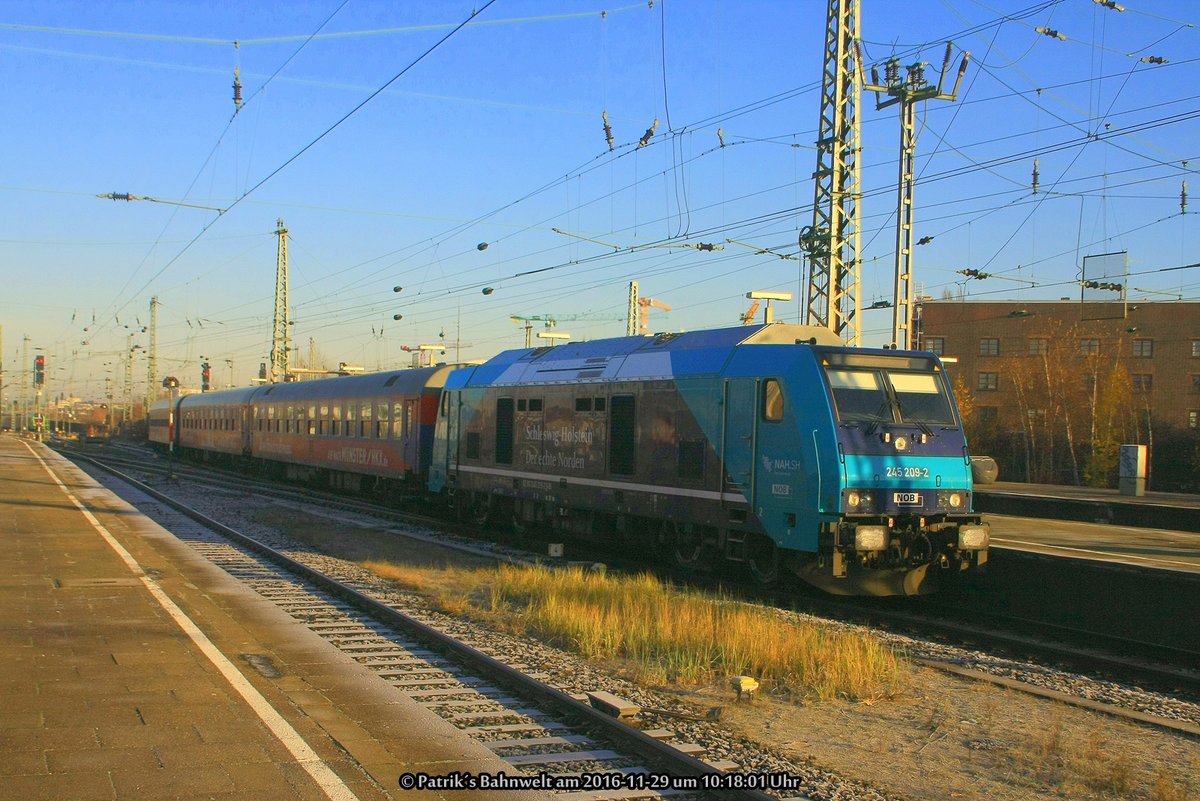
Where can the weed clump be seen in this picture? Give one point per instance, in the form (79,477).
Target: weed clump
(666,634)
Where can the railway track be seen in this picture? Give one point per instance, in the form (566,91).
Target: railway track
(544,733)
(1111,669)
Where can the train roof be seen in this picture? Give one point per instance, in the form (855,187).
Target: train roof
(635,358)
(366,385)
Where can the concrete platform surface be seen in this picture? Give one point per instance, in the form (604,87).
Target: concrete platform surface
(125,671)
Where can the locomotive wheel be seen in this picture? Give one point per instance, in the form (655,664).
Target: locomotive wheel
(687,546)
(762,559)
(474,508)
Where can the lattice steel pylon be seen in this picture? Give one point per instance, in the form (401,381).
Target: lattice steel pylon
(279,337)
(832,242)
(152,388)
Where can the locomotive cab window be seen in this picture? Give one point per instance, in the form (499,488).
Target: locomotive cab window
(772,410)
(921,398)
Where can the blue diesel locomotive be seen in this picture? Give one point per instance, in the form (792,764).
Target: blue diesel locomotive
(773,447)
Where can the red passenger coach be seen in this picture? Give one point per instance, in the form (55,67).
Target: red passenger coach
(216,422)
(378,425)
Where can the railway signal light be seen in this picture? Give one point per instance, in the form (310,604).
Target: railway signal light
(39,370)
(205,376)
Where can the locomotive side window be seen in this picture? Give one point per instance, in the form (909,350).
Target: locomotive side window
(535,404)
(601,404)
(521,405)
(504,430)
(583,404)
(622,439)
(772,410)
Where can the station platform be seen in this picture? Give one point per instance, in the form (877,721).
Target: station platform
(1166,510)
(127,669)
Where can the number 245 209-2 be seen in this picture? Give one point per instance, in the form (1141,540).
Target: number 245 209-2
(908,472)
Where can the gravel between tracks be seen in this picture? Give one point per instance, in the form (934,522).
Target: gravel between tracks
(944,738)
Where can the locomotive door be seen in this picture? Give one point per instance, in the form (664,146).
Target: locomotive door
(737,452)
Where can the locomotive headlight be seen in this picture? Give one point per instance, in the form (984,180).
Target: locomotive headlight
(858,500)
(870,538)
(951,499)
(973,537)
(901,443)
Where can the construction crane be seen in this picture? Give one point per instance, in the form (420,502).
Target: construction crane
(748,317)
(551,320)
(644,307)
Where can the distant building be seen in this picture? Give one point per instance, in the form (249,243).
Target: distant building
(1044,380)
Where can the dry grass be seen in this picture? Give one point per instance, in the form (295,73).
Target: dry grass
(1081,768)
(663,634)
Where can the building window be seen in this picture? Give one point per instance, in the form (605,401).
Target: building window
(1143,348)
(1089,384)
(988,381)
(1196,348)
(936,345)
(1142,382)
(1038,346)
(1089,347)
(989,346)
(1194,418)
(988,414)
(1196,383)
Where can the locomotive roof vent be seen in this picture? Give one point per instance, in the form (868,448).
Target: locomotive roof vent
(662,339)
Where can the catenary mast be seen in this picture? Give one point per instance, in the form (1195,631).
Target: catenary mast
(832,242)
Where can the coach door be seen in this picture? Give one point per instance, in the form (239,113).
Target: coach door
(247,423)
(738,446)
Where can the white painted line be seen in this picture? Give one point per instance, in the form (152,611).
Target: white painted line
(1110,555)
(326,779)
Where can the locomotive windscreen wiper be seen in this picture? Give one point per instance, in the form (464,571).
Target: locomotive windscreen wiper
(878,418)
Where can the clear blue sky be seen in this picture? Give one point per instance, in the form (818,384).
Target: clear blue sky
(496,137)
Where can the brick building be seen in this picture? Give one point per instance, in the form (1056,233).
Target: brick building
(1032,368)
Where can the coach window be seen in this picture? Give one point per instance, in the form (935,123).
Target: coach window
(291,419)
(381,421)
(312,420)
(772,401)
(351,419)
(397,420)
(410,417)
(364,420)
